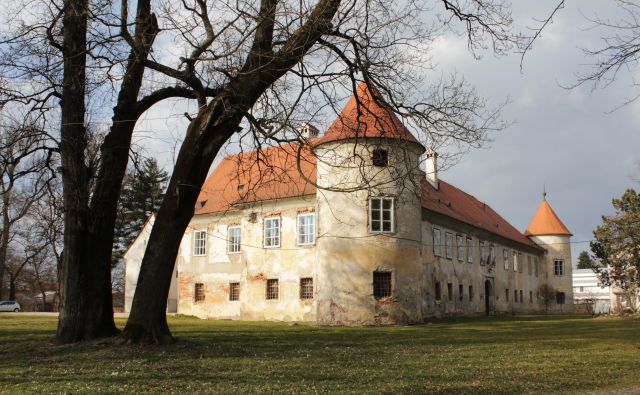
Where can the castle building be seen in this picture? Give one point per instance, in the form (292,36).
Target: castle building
(349,230)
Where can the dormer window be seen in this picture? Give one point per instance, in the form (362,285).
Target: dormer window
(380,158)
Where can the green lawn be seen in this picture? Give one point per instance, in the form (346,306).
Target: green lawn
(499,355)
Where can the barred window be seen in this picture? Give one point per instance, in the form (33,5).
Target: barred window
(381,284)
(306,229)
(306,288)
(234,291)
(233,239)
(272,232)
(436,242)
(448,245)
(198,294)
(272,289)
(199,242)
(381,217)
(460,248)
(558,267)
(469,250)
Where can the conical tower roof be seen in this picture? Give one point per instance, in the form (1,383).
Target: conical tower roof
(366,116)
(546,222)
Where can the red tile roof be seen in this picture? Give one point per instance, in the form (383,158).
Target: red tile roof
(272,174)
(366,115)
(546,222)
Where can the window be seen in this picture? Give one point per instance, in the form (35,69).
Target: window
(438,291)
(381,284)
(460,248)
(581,289)
(558,268)
(505,258)
(530,296)
(560,297)
(272,289)
(506,294)
(470,293)
(492,255)
(234,292)
(306,288)
(535,266)
(529,265)
(448,245)
(469,250)
(483,252)
(515,261)
(233,239)
(460,292)
(521,299)
(306,229)
(449,292)
(272,232)
(520,263)
(199,242)
(436,242)
(198,293)
(381,214)
(515,295)
(380,157)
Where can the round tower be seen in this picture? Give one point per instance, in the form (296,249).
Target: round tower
(548,231)
(369,216)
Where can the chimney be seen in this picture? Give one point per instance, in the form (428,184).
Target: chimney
(308,131)
(431,167)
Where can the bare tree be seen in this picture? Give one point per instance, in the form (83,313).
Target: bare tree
(547,296)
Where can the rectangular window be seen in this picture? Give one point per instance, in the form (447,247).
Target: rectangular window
(506,294)
(381,217)
(436,242)
(199,243)
(535,266)
(380,158)
(381,284)
(272,232)
(483,252)
(272,289)
(469,250)
(198,293)
(233,239)
(492,255)
(505,258)
(560,297)
(306,288)
(558,267)
(234,292)
(521,298)
(520,263)
(515,261)
(530,296)
(460,248)
(529,265)
(515,295)
(460,292)
(306,229)
(449,292)
(448,245)
(470,293)
(438,291)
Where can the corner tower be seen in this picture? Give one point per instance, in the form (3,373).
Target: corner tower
(369,216)
(547,230)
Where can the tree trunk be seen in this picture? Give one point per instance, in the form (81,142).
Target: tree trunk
(71,322)
(12,287)
(4,238)
(147,321)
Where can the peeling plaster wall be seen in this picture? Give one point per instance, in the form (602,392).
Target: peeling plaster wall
(558,247)
(251,267)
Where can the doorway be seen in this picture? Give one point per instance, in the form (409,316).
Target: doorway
(488,297)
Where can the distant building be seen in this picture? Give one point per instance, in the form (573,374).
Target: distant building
(266,244)
(588,292)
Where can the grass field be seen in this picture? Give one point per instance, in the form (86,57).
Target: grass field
(499,355)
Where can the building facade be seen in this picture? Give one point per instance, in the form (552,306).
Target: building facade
(355,228)
(590,296)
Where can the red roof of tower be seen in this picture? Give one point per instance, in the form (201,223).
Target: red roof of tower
(546,222)
(366,116)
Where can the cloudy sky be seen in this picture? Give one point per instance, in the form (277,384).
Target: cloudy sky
(569,140)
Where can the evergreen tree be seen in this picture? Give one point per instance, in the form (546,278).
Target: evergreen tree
(142,194)
(585,261)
